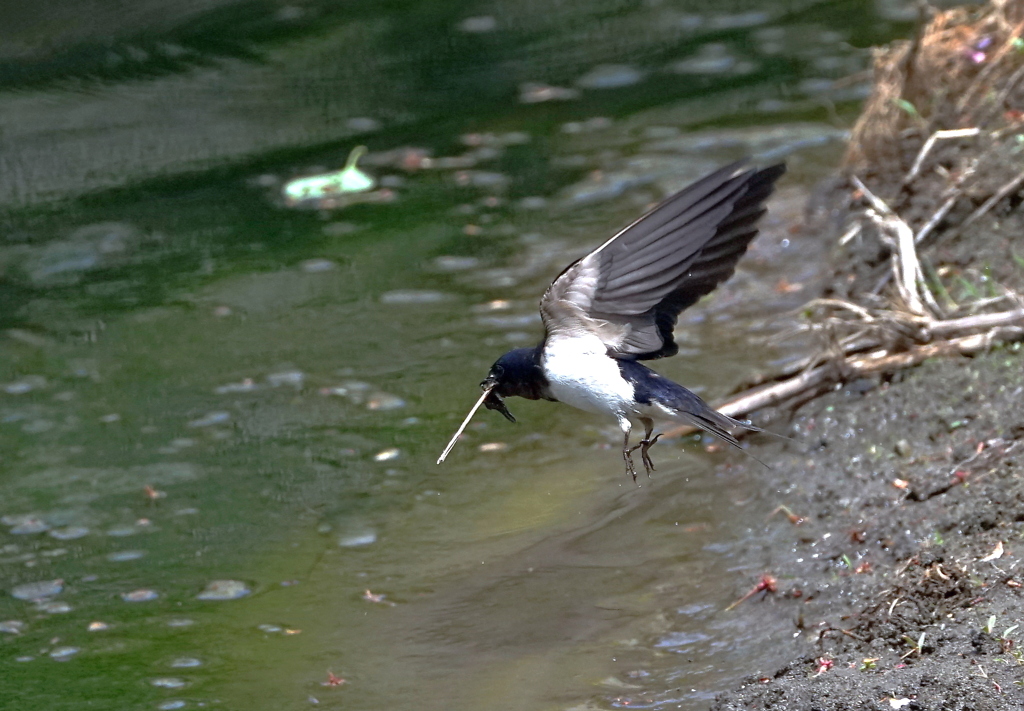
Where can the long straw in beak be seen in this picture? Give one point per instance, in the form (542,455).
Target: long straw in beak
(462,427)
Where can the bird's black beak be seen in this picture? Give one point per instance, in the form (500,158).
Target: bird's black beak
(494,401)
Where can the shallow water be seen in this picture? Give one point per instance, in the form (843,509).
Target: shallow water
(219,416)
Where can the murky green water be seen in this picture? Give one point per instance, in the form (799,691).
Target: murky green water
(198,384)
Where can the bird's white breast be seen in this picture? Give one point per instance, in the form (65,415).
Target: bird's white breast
(581,374)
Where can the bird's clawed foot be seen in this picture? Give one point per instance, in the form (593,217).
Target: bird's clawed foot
(627,455)
(644,446)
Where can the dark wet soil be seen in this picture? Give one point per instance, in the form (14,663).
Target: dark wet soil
(906,487)
(903,582)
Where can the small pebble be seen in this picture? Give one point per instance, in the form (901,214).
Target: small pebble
(171,705)
(903,448)
(224,590)
(493,447)
(97,626)
(37,591)
(140,595)
(269,629)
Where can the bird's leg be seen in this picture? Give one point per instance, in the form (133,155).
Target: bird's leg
(646,443)
(627,453)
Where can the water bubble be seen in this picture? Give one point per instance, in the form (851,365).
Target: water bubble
(37,591)
(479,24)
(123,556)
(224,590)
(269,629)
(69,533)
(456,264)
(362,124)
(62,654)
(171,705)
(245,386)
(25,524)
(186,663)
(532,202)
(339,229)
(180,622)
(356,540)
(413,296)
(739,20)
(713,58)
(532,92)
(384,401)
(53,607)
(610,76)
(25,385)
(11,627)
(387,455)
(210,419)
(312,266)
(168,682)
(122,531)
(140,595)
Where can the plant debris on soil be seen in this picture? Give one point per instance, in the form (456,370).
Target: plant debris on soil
(904,489)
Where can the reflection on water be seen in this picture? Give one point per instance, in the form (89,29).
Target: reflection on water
(219,415)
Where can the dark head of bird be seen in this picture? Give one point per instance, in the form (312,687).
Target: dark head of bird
(516,373)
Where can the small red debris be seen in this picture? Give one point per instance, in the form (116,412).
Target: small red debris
(332,680)
(767,583)
(823,664)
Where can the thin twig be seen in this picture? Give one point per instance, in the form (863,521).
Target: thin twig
(936,218)
(1008,188)
(878,361)
(911,279)
(930,143)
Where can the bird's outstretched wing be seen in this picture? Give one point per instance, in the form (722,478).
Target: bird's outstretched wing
(630,290)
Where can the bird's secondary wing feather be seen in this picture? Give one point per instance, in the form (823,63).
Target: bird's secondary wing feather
(630,290)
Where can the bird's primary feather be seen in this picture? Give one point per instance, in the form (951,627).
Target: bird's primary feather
(630,290)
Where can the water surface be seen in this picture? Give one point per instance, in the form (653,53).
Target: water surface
(219,416)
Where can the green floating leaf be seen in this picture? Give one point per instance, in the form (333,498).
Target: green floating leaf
(349,179)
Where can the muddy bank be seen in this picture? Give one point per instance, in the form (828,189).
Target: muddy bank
(909,490)
(905,492)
